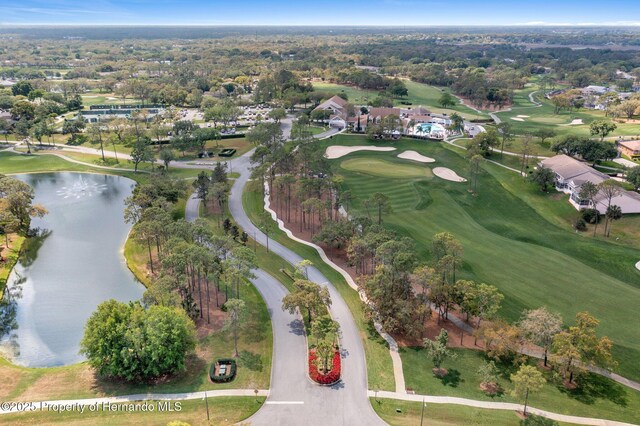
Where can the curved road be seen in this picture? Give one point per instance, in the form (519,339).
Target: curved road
(293,397)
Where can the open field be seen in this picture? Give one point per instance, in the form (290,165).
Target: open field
(222,411)
(598,397)
(379,367)
(106,99)
(419,94)
(510,242)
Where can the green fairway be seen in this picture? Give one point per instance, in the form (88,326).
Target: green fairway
(599,397)
(419,94)
(510,243)
(383,168)
(543,116)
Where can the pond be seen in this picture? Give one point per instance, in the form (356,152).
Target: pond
(75,262)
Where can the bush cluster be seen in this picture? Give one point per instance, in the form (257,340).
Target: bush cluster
(324,379)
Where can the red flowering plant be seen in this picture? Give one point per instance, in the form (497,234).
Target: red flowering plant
(325,377)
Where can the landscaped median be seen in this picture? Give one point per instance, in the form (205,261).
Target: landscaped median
(327,374)
(379,364)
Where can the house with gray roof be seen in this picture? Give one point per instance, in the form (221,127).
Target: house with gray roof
(571,174)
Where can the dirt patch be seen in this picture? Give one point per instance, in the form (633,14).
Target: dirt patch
(9,377)
(490,389)
(77,380)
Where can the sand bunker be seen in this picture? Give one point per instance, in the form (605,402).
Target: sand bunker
(522,116)
(412,155)
(576,121)
(638,266)
(336,151)
(448,174)
(516,118)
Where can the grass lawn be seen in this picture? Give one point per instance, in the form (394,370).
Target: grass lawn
(106,99)
(379,366)
(222,411)
(428,96)
(316,130)
(509,241)
(599,397)
(440,414)
(16,163)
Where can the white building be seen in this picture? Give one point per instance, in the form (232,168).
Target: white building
(571,174)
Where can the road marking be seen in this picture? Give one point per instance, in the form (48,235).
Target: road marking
(284,402)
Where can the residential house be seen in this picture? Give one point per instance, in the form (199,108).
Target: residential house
(571,174)
(630,148)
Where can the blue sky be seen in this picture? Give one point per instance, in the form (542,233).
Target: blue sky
(321,12)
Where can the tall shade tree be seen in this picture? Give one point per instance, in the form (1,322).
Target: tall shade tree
(579,347)
(382,204)
(237,311)
(528,379)
(126,341)
(540,327)
(308,297)
(601,128)
(544,177)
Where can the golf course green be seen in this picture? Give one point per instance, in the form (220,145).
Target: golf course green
(382,168)
(507,241)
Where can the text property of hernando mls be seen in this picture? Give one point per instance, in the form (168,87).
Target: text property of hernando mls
(144,406)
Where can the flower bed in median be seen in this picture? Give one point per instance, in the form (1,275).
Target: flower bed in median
(324,379)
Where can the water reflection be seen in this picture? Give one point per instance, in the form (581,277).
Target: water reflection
(8,317)
(32,244)
(73,263)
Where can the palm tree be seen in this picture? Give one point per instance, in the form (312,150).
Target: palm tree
(613,213)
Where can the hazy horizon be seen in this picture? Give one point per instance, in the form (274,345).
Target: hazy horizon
(391,13)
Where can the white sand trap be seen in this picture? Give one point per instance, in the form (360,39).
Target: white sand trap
(337,151)
(576,121)
(522,116)
(447,174)
(517,118)
(412,155)
(638,266)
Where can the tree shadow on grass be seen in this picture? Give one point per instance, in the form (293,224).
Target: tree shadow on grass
(251,360)
(592,387)
(452,378)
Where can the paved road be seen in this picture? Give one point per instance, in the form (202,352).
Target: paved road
(342,404)
(293,397)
